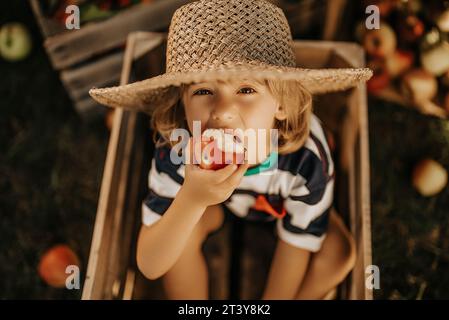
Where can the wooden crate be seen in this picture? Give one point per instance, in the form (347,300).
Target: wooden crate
(238,266)
(93,55)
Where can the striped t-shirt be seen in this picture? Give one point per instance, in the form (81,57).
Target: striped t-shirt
(297,192)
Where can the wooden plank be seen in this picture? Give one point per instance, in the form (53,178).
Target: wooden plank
(334,14)
(129,285)
(359,289)
(94,38)
(49,27)
(98,258)
(256,256)
(359,172)
(102,272)
(105,71)
(217,252)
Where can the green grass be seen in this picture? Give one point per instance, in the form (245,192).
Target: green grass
(50,168)
(410,232)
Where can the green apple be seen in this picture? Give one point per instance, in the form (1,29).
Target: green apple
(15,41)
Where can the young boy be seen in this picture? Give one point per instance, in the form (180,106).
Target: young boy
(230,65)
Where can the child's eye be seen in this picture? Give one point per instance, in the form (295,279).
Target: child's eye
(247,90)
(201,92)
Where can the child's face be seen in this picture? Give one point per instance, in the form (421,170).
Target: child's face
(237,104)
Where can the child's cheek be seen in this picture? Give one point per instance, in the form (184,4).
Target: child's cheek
(196,115)
(258,118)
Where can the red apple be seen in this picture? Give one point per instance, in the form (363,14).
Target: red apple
(53,264)
(380,42)
(218,149)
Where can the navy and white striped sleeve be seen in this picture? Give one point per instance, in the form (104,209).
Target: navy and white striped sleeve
(164,180)
(310,199)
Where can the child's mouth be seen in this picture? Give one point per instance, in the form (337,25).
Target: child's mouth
(223,134)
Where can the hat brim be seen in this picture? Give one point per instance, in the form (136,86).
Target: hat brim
(146,95)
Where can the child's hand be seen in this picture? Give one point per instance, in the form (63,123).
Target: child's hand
(210,187)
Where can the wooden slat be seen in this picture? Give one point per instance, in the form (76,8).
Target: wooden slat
(100,277)
(355,161)
(252,269)
(258,247)
(359,289)
(334,13)
(49,27)
(105,71)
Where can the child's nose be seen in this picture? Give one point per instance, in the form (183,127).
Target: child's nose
(223,112)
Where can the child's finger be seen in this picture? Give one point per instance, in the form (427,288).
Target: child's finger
(235,178)
(222,174)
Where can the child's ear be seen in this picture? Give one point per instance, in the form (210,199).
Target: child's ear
(280,113)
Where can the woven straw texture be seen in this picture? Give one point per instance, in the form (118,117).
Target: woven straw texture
(226,39)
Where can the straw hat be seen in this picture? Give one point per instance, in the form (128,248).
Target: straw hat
(223,39)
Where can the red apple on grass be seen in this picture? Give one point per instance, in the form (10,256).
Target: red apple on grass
(53,264)
(217,149)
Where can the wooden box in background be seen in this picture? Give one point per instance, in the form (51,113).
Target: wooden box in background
(238,267)
(93,55)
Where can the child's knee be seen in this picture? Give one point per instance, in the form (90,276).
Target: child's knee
(347,253)
(341,247)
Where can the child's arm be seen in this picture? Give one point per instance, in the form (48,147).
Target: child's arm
(160,245)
